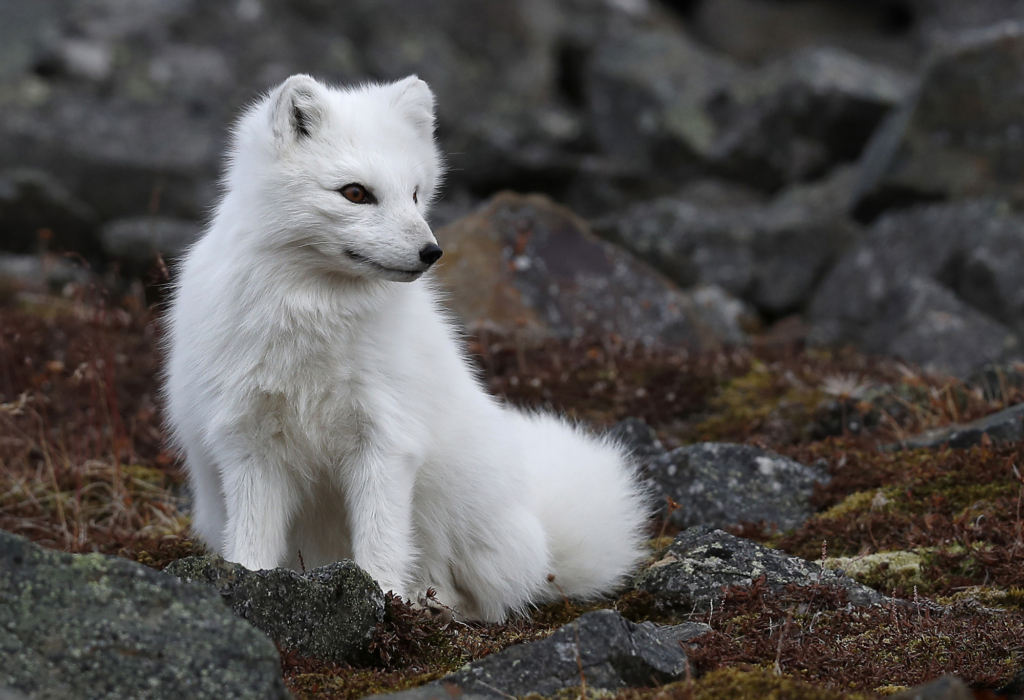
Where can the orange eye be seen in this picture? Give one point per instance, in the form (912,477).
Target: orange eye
(357,194)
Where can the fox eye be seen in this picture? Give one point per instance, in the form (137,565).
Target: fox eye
(415,198)
(357,194)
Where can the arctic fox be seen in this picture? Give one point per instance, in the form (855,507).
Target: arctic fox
(322,399)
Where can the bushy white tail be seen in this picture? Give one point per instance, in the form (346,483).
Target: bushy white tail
(592,504)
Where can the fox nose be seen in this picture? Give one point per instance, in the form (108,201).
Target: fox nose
(430,253)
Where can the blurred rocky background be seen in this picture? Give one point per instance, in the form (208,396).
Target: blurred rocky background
(841,171)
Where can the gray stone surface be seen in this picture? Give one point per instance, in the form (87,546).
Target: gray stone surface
(1001,427)
(702,561)
(638,437)
(327,613)
(664,102)
(524,262)
(772,255)
(613,652)
(33,202)
(944,688)
(98,627)
(934,284)
(960,135)
(725,484)
(139,240)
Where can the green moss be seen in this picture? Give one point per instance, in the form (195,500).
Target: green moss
(740,682)
(884,571)
(747,402)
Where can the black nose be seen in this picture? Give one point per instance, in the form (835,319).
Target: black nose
(430,253)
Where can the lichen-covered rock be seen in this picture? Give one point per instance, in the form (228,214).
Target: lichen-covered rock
(725,484)
(702,561)
(659,99)
(100,627)
(772,255)
(1000,427)
(959,136)
(327,613)
(608,650)
(524,262)
(935,284)
(638,437)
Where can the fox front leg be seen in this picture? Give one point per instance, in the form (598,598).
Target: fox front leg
(379,498)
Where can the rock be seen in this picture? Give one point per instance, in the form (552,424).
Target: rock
(702,561)
(613,652)
(796,119)
(525,262)
(725,485)
(1001,427)
(959,136)
(327,613)
(94,626)
(138,241)
(756,31)
(933,284)
(939,18)
(638,437)
(40,273)
(944,688)
(771,255)
(995,381)
(660,101)
(37,212)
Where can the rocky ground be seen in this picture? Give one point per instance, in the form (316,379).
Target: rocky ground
(842,564)
(774,246)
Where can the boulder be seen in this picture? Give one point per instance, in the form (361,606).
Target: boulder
(95,626)
(944,688)
(657,99)
(771,255)
(638,437)
(1000,427)
(137,241)
(525,262)
(959,136)
(933,284)
(327,613)
(38,213)
(726,485)
(693,571)
(603,647)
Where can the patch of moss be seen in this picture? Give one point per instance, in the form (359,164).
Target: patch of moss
(743,681)
(746,403)
(884,571)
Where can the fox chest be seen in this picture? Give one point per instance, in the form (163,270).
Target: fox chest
(325,411)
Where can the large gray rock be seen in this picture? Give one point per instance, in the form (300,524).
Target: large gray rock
(771,255)
(138,241)
(658,99)
(702,561)
(934,284)
(523,262)
(608,650)
(93,626)
(327,613)
(724,485)
(960,135)
(1000,427)
(37,212)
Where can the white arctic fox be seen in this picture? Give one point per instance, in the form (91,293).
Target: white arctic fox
(323,401)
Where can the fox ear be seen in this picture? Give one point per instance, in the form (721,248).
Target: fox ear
(298,108)
(414,101)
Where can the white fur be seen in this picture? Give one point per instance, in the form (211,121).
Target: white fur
(324,404)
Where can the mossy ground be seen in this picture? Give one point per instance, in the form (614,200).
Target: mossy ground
(84,467)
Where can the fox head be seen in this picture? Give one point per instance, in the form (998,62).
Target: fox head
(341,179)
